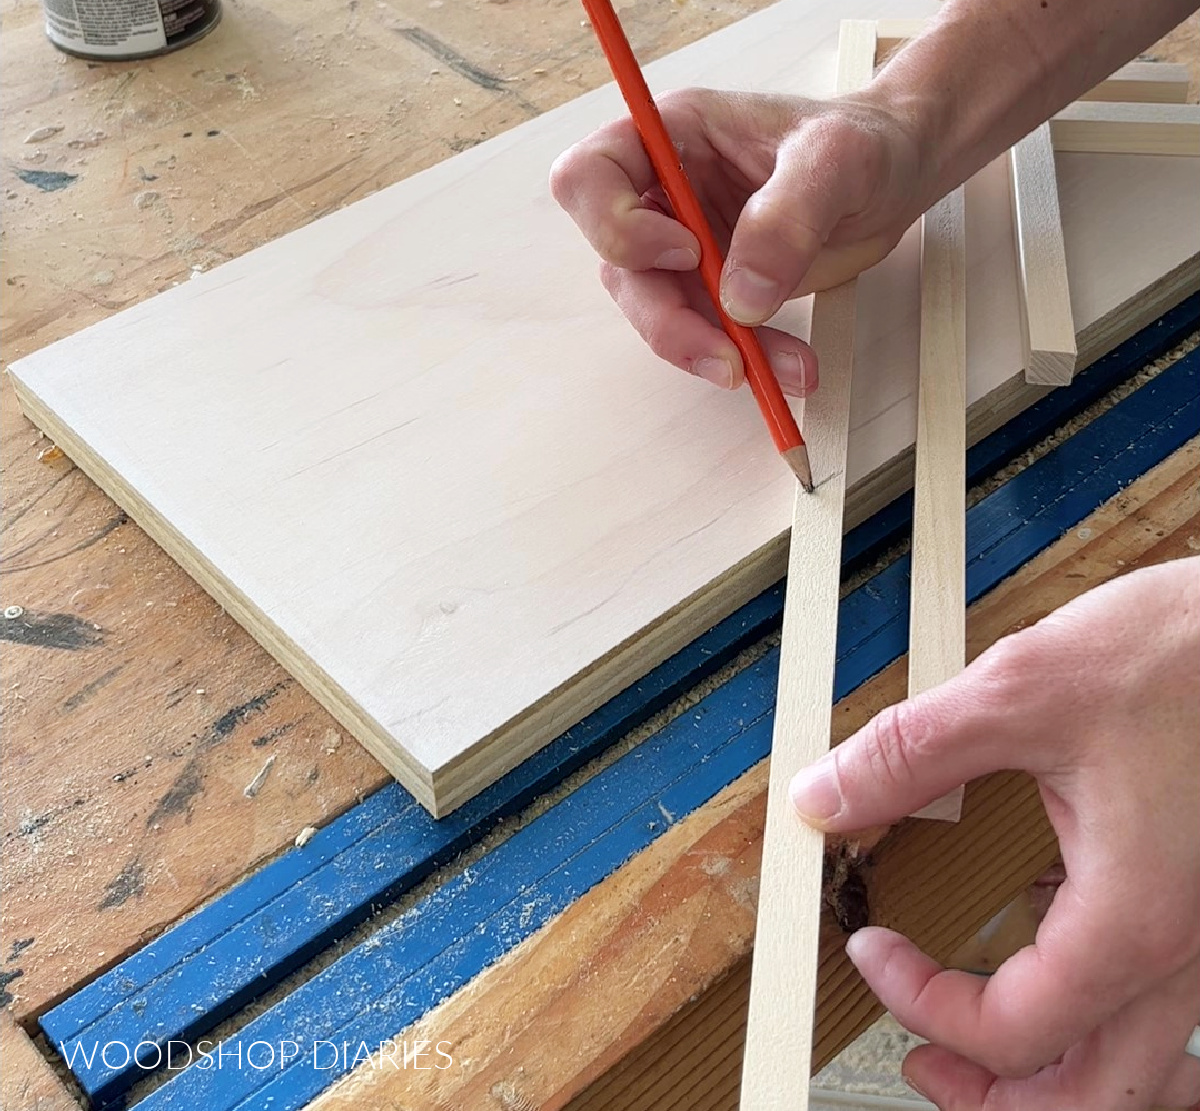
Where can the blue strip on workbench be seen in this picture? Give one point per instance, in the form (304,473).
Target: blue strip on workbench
(213,962)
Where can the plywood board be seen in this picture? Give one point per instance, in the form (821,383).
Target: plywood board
(414,449)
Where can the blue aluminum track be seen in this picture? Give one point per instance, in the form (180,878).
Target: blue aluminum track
(214,962)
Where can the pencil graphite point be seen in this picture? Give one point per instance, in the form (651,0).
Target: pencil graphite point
(797,459)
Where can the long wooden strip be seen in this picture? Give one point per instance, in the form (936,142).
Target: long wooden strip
(783,982)
(1095,128)
(1047,323)
(938,598)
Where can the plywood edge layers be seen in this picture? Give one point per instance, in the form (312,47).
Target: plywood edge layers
(606,677)
(315,680)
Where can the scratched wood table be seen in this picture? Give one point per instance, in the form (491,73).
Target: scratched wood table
(136,712)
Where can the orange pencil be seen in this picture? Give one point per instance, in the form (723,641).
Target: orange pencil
(669,170)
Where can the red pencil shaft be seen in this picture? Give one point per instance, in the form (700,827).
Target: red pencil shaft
(669,170)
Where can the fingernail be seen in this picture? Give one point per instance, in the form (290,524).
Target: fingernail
(815,792)
(749,297)
(789,370)
(797,375)
(677,258)
(714,370)
(914,1085)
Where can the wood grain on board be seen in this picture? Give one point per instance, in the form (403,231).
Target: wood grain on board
(389,443)
(635,997)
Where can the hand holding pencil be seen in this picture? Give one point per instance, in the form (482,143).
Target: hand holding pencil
(805,193)
(668,168)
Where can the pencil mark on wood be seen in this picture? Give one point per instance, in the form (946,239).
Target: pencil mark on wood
(418,36)
(825,481)
(558,628)
(231,719)
(272,734)
(448,280)
(354,447)
(222,227)
(64,631)
(325,418)
(178,798)
(32,824)
(84,693)
(178,694)
(127,884)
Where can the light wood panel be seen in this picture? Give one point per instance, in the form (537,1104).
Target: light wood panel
(416,452)
(783,982)
(1047,322)
(938,598)
(1096,128)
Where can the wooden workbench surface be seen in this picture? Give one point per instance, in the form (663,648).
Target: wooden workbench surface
(136,711)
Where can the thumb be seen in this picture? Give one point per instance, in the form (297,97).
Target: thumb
(906,757)
(821,175)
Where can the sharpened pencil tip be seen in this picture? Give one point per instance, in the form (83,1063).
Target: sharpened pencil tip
(797,459)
